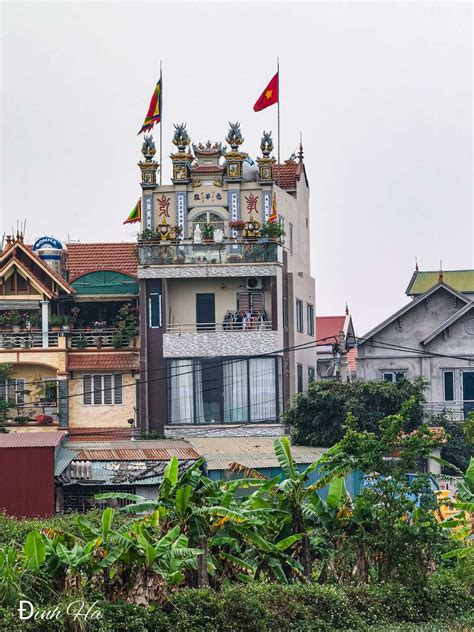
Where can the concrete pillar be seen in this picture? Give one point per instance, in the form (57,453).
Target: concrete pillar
(433,466)
(45,322)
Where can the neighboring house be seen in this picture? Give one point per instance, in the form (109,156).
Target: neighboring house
(431,337)
(221,309)
(336,350)
(59,306)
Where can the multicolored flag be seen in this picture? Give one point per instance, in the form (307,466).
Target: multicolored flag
(154,110)
(269,96)
(274,216)
(136,214)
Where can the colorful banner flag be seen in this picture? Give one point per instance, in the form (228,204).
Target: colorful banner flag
(154,110)
(136,214)
(274,216)
(269,96)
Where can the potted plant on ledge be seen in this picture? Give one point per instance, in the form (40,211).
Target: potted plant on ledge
(273,231)
(208,233)
(56,321)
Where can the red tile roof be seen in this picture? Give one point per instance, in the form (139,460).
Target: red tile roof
(100,433)
(352,360)
(85,258)
(31,439)
(329,327)
(288,174)
(97,361)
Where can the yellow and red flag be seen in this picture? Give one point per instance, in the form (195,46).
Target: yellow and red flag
(154,110)
(274,216)
(269,96)
(136,214)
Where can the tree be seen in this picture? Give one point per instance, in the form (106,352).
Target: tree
(317,417)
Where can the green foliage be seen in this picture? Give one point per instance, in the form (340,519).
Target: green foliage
(317,417)
(460,448)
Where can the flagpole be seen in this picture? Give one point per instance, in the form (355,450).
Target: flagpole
(278,105)
(161,126)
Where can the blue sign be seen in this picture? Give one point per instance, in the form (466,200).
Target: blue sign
(47,242)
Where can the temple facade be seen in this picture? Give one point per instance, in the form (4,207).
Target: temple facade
(227,301)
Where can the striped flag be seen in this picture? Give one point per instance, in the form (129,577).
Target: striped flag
(273,217)
(154,110)
(136,214)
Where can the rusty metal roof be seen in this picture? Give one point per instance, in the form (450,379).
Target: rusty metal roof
(31,439)
(133,450)
(251,452)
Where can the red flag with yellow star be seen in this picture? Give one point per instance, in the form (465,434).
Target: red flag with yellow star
(269,96)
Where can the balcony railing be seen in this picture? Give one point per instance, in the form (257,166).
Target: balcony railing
(181,328)
(98,338)
(454,409)
(187,253)
(27,339)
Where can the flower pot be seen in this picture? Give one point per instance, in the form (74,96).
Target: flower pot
(16,329)
(67,328)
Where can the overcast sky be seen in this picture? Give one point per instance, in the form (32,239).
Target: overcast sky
(382,93)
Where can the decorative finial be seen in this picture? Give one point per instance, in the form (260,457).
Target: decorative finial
(441,275)
(181,137)
(416,264)
(148,147)
(300,153)
(347,309)
(234,136)
(266,144)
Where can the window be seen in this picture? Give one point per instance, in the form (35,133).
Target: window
(100,390)
(285,313)
(250,301)
(310,318)
(208,218)
(49,391)
(311,374)
(154,309)
(299,378)
(290,238)
(448,381)
(299,315)
(228,390)
(13,390)
(393,376)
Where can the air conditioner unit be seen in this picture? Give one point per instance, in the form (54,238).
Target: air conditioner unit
(254,283)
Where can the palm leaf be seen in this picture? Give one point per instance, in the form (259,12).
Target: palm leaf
(34,550)
(283,454)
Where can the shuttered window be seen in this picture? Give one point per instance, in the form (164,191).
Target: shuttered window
(103,390)
(250,301)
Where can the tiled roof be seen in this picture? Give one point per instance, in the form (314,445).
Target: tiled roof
(101,433)
(286,175)
(31,439)
(460,280)
(136,451)
(352,360)
(329,327)
(85,258)
(96,361)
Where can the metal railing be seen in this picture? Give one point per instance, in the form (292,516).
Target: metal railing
(186,253)
(454,409)
(27,339)
(98,338)
(181,328)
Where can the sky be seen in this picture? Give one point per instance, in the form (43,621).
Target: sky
(381,92)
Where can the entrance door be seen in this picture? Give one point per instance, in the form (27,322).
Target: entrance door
(205,311)
(468,391)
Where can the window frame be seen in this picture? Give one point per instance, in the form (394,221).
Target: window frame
(453,385)
(310,318)
(115,390)
(151,295)
(299,378)
(299,316)
(11,384)
(311,374)
(394,373)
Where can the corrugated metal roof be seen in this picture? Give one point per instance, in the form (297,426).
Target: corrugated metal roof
(460,280)
(62,458)
(31,439)
(133,450)
(117,472)
(252,452)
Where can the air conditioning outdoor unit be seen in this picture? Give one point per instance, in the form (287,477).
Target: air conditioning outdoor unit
(254,283)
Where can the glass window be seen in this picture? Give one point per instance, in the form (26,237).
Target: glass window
(102,390)
(180,391)
(250,301)
(262,389)
(448,386)
(235,377)
(285,313)
(13,390)
(311,374)
(154,309)
(310,319)
(299,378)
(207,389)
(299,315)
(393,376)
(50,390)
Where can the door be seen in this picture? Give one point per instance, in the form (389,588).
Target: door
(205,311)
(468,391)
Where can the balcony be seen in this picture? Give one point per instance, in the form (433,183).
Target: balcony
(98,338)
(455,410)
(182,340)
(188,253)
(27,339)
(77,339)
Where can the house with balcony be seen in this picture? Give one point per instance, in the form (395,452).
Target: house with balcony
(430,337)
(68,328)
(227,301)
